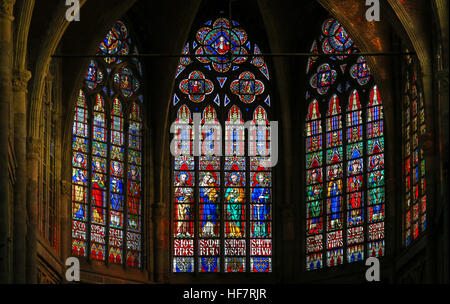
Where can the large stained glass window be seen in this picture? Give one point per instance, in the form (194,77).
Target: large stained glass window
(222,189)
(415,198)
(344,190)
(107,156)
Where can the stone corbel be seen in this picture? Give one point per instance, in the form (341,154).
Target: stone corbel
(66,187)
(6,9)
(48,89)
(20,80)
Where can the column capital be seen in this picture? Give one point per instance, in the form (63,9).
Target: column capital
(6,9)
(33,147)
(20,80)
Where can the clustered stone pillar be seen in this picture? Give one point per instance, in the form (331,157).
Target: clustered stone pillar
(33,149)
(65,219)
(20,82)
(6,96)
(21,76)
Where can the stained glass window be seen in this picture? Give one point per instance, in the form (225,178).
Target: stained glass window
(344,191)
(107,156)
(415,196)
(222,195)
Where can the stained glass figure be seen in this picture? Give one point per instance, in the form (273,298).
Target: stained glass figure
(218,40)
(323,79)
(94,76)
(247,87)
(196,86)
(360,71)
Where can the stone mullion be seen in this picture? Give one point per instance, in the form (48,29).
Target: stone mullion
(33,162)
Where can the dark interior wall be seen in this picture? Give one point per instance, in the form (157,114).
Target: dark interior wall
(164,27)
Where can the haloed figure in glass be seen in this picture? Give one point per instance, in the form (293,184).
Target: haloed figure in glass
(79,192)
(134,189)
(260,197)
(98,191)
(234,196)
(314,192)
(79,176)
(208,196)
(115,198)
(315,180)
(183,197)
(334,192)
(354,185)
(376,179)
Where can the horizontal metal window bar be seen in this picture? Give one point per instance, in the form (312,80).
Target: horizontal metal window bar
(233,56)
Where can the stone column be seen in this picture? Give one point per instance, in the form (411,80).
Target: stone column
(21,76)
(65,219)
(33,154)
(161,251)
(20,82)
(6,58)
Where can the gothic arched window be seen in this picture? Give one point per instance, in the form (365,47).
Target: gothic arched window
(415,199)
(222,195)
(107,156)
(344,154)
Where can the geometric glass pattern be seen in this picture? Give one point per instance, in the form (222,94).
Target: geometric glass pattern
(220,40)
(222,196)
(344,190)
(107,157)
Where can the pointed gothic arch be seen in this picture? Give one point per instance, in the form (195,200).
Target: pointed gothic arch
(222,221)
(107,162)
(345,199)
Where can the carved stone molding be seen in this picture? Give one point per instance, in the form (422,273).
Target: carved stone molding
(6,9)
(66,187)
(20,80)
